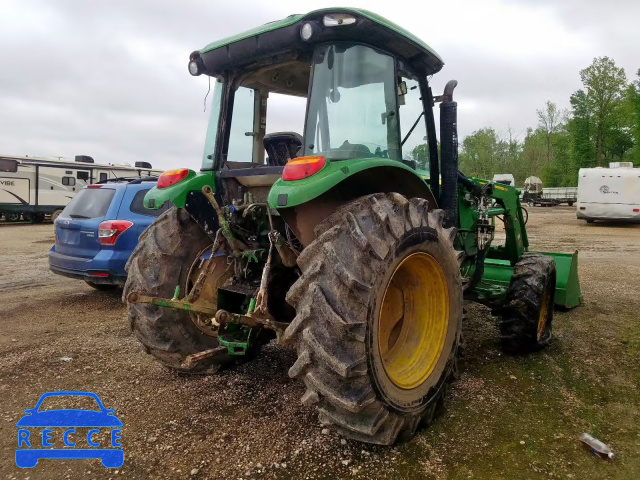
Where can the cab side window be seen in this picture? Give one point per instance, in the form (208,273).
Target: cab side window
(413,127)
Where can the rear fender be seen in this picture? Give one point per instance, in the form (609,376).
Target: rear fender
(187,194)
(178,193)
(303,204)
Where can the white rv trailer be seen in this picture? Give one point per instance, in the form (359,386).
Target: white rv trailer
(505,179)
(33,186)
(609,193)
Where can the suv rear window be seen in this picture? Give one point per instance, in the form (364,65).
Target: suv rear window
(138,207)
(89,203)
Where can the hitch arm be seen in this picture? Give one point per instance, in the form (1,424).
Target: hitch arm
(197,307)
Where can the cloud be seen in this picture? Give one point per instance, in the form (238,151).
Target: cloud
(109,78)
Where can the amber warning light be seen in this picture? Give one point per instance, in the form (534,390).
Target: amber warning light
(302,167)
(171,177)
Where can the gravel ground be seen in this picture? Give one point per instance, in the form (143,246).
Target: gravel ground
(508,417)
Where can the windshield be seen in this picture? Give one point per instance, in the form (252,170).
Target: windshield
(352,105)
(89,203)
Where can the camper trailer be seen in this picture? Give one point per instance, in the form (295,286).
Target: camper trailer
(505,179)
(32,187)
(611,194)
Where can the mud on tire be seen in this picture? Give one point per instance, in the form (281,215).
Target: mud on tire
(525,324)
(337,299)
(161,261)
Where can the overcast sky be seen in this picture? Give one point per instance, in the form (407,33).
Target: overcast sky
(109,78)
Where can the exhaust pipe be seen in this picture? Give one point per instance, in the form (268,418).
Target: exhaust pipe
(449,154)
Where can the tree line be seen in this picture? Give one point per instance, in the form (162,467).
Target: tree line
(602,126)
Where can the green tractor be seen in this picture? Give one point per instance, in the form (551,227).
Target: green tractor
(311,223)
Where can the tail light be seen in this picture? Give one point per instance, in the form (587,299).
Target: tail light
(636,210)
(94,186)
(583,208)
(171,177)
(302,167)
(99,274)
(110,230)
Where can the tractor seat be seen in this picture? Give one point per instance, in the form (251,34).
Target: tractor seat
(282,147)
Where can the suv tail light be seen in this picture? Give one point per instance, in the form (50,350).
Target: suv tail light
(110,230)
(302,167)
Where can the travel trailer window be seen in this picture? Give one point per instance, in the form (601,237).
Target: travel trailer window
(8,165)
(83,176)
(103,177)
(68,181)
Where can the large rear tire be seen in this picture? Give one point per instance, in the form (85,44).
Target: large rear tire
(527,317)
(160,262)
(378,324)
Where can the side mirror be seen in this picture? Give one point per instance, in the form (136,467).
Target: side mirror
(28,410)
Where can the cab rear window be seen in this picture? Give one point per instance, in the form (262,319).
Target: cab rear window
(89,203)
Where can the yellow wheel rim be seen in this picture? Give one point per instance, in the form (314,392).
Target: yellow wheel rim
(413,321)
(544,311)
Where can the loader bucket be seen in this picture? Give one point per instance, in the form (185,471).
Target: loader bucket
(568,293)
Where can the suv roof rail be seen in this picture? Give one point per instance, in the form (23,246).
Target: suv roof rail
(129,180)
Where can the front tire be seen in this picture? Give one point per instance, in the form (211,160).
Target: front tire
(160,262)
(527,316)
(378,324)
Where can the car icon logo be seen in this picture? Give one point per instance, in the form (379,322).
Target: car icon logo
(37,429)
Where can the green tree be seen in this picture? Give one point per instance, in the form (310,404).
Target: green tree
(581,132)
(483,154)
(604,84)
(421,156)
(633,109)
(534,152)
(549,121)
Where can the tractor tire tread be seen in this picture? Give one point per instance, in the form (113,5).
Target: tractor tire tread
(160,261)
(331,301)
(520,314)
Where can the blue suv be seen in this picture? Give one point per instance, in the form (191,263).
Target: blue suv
(98,230)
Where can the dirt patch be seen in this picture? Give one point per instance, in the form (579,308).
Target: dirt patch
(508,417)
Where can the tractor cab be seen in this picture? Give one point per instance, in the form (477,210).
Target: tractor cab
(329,86)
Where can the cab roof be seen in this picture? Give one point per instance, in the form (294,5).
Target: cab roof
(283,36)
